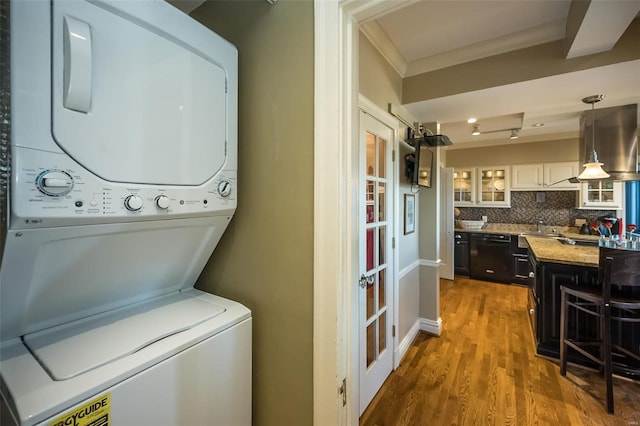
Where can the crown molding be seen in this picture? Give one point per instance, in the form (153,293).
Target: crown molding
(381,41)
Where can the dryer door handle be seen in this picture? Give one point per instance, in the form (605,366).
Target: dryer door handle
(77,65)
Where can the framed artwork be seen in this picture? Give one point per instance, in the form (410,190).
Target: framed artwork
(409,213)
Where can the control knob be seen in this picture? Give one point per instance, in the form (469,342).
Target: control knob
(133,203)
(162,202)
(54,183)
(224,188)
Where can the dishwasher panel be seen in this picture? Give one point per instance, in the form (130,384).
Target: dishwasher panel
(491,257)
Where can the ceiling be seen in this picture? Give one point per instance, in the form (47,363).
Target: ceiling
(425,35)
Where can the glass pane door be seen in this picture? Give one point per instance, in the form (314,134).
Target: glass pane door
(376,246)
(376,224)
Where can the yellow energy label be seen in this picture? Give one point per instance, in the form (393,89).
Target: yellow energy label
(93,413)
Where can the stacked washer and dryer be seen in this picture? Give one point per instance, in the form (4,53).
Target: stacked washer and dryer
(123,179)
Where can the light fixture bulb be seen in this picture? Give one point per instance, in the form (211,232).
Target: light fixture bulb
(476,131)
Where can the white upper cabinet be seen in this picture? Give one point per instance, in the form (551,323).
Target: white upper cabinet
(600,195)
(493,186)
(547,176)
(556,175)
(527,177)
(464,187)
(482,187)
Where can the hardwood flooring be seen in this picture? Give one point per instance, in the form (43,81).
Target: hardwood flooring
(483,370)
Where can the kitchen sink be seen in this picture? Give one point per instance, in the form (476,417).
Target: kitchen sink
(522,237)
(572,242)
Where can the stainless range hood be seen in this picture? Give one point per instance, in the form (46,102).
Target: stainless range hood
(616,141)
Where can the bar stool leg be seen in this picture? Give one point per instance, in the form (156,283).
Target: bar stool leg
(563,332)
(607,356)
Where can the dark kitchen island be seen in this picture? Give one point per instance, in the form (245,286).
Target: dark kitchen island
(554,264)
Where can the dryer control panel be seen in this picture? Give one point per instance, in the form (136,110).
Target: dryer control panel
(52,190)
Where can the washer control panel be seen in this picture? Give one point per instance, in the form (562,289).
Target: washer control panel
(52,192)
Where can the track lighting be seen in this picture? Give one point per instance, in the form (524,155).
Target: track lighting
(476,130)
(514,134)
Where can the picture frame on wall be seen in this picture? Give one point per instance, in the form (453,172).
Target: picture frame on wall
(409,213)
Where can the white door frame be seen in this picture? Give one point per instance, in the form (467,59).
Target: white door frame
(446,222)
(335,213)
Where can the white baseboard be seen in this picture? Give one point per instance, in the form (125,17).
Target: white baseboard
(431,326)
(406,342)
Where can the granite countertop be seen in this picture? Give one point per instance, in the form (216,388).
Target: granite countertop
(519,228)
(548,249)
(552,250)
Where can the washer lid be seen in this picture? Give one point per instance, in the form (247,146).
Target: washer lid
(76,348)
(132,100)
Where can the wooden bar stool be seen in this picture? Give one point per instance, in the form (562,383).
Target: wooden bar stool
(616,302)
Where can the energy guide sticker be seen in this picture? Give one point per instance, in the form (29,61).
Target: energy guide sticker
(93,413)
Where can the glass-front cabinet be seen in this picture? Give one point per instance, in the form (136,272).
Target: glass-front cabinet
(493,188)
(601,195)
(464,187)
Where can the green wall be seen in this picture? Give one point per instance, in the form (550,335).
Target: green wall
(265,258)
(377,80)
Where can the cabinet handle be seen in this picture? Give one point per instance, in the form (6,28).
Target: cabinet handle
(531,312)
(458,236)
(532,275)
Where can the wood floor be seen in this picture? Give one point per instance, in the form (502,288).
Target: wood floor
(483,370)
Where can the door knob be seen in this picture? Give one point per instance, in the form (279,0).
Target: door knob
(364,280)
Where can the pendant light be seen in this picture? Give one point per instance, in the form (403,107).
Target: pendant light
(593,168)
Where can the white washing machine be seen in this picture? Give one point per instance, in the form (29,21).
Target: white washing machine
(123,179)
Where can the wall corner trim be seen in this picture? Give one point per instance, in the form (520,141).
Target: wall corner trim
(408,269)
(431,326)
(431,263)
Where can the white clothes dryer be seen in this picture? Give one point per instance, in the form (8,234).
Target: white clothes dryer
(123,179)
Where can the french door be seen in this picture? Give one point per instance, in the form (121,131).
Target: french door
(376,232)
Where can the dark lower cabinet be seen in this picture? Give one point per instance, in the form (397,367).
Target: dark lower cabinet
(521,265)
(551,277)
(521,269)
(461,253)
(544,299)
(544,303)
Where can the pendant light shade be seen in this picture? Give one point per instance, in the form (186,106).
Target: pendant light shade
(593,168)
(593,171)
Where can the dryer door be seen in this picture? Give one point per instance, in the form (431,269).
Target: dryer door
(132,100)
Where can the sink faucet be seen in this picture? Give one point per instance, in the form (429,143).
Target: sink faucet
(539,226)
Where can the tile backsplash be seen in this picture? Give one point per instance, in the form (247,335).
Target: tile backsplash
(558,208)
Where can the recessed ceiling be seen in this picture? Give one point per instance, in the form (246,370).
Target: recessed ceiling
(427,35)
(428,29)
